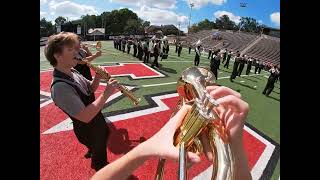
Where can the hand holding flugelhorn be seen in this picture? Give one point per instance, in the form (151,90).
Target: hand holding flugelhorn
(232,111)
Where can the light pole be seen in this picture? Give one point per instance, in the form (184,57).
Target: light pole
(242,5)
(179,32)
(191,6)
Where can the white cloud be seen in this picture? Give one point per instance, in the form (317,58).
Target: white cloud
(200,3)
(127,2)
(42,2)
(275,18)
(162,17)
(232,17)
(162,4)
(70,9)
(260,21)
(42,14)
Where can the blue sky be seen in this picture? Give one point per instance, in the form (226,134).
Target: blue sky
(168,11)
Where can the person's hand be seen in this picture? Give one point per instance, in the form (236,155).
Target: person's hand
(161,144)
(98,53)
(232,110)
(98,75)
(112,87)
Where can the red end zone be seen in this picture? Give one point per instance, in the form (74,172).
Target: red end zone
(133,70)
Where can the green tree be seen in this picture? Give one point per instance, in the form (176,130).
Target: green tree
(60,20)
(146,24)
(193,29)
(249,24)
(224,22)
(46,28)
(205,24)
(132,26)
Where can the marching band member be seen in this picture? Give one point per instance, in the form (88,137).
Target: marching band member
(235,67)
(179,49)
(215,63)
(123,44)
(224,55)
(134,47)
(74,94)
(249,64)
(165,50)
(226,65)
(242,62)
(128,46)
(197,56)
(140,50)
(146,52)
(271,80)
(114,43)
(84,53)
(256,67)
(119,43)
(210,51)
(261,66)
(156,51)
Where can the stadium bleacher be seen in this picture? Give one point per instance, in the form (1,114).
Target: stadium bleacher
(266,48)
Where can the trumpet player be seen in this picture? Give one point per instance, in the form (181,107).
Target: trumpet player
(161,145)
(74,94)
(215,63)
(84,53)
(197,56)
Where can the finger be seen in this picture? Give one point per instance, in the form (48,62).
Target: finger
(223,91)
(211,88)
(235,103)
(193,157)
(206,145)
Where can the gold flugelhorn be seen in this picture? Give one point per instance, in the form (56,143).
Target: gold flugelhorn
(200,120)
(122,88)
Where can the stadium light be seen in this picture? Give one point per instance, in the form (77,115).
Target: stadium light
(191,6)
(242,4)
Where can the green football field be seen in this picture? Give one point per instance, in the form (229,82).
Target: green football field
(264,112)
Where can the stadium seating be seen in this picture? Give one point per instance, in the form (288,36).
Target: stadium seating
(266,49)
